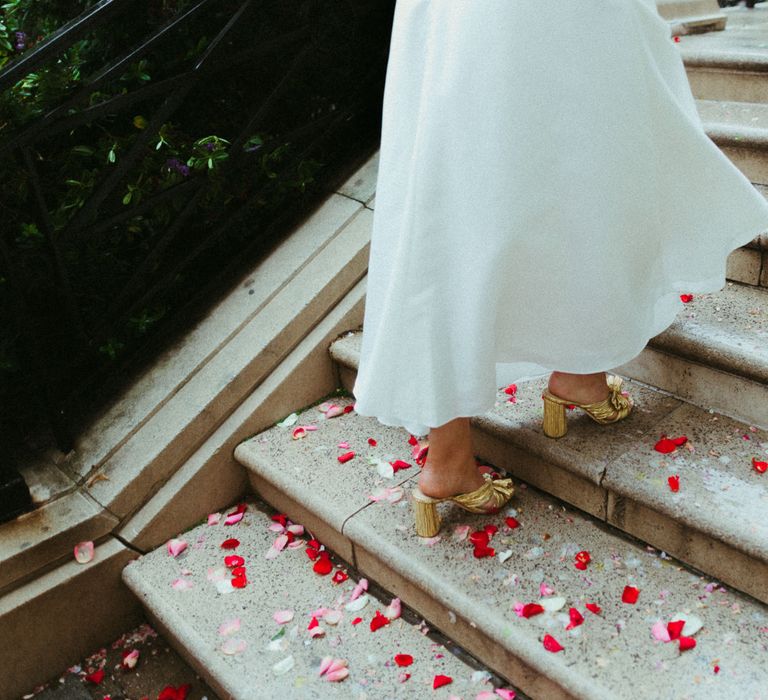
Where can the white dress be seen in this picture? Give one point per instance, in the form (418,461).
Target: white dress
(545,193)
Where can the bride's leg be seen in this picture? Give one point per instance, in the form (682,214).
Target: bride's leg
(450,467)
(579,388)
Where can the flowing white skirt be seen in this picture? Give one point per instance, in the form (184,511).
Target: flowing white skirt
(545,193)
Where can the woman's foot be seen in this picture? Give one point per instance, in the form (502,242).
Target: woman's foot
(450,467)
(579,388)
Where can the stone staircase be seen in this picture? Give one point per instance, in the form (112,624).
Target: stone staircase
(698,553)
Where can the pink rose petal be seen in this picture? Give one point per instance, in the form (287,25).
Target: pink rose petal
(176,547)
(393,609)
(233,518)
(213,518)
(233,645)
(361,586)
(506,693)
(229,626)
(84,552)
(282,616)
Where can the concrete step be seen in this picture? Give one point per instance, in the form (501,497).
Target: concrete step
(730,64)
(715,354)
(714,523)
(740,129)
(613,654)
(244,664)
(733,75)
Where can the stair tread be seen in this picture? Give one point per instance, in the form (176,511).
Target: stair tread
(720,492)
(599,654)
(286,582)
(745,121)
(726,329)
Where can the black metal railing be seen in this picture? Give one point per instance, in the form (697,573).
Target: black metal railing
(148,150)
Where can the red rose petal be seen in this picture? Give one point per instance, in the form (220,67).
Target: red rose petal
(233,560)
(322,565)
(95,677)
(312,553)
(490,530)
(357,620)
(481,552)
(760,467)
(313,623)
(421,457)
(231,543)
(379,621)
(403,659)
(593,608)
(582,559)
(665,446)
(551,644)
(511,389)
(674,483)
(171,693)
(372,442)
(675,628)
(346,457)
(281,518)
(440,681)
(531,609)
(511,523)
(687,643)
(479,538)
(238,571)
(239,581)
(339,577)
(349,409)
(685,298)
(413,441)
(399,464)
(680,441)
(576,618)
(630,595)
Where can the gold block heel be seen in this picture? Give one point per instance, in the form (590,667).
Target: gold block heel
(427,517)
(614,407)
(555,422)
(488,498)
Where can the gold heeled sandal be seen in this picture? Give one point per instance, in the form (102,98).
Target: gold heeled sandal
(488,498)
(611,409)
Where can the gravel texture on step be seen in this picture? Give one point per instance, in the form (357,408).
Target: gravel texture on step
(271,659)
(726,329)
(616,653)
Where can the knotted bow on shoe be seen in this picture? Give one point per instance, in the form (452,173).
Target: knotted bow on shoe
(612,408)
(489,498)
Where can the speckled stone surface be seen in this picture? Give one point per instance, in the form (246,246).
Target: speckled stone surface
(587,448)
(727,330)
(721,495)
(287,582)
(303,468)
(596,469)
(612,654)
